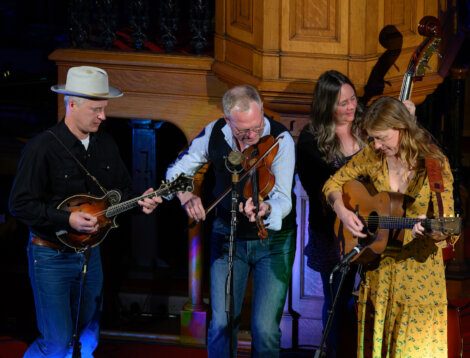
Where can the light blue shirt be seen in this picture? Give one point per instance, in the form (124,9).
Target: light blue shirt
(282,167)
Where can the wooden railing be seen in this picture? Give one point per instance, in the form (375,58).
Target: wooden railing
(142,25)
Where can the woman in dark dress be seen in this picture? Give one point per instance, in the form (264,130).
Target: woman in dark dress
(331,138)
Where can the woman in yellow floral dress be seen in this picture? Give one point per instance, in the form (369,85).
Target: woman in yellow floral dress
(402,303)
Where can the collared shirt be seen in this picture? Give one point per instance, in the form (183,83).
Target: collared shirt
(47,175)
(282,167)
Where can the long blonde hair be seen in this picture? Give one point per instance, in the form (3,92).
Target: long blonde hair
(416,143)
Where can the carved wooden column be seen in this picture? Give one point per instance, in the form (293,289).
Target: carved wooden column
(169,21)
(106,22)
(138,22)
(78,19)
(200,16)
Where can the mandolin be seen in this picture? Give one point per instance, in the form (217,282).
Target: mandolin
(106,208)
(383,217)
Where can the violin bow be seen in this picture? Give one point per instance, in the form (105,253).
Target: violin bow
(248,171)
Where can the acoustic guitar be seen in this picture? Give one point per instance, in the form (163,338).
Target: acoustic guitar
(383,217)
(107,207)
(391,204)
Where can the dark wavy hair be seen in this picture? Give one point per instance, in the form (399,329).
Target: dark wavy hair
(322,117)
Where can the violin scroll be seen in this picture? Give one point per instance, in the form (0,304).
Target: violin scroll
(262,231)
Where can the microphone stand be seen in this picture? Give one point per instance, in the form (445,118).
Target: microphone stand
(331,312)
(76,353)
(231,249)
(344,267)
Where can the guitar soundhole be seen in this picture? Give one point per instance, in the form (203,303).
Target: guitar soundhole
(372,223)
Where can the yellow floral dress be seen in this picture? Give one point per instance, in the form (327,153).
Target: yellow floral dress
(402,307)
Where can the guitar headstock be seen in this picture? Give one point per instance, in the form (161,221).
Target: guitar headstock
(449,225)
(181,183)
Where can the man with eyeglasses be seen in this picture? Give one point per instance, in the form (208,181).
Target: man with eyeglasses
(269,260)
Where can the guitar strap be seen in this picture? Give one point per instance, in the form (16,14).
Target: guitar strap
(436,182)
(79,163)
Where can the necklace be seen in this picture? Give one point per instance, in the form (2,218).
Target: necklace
(400,174)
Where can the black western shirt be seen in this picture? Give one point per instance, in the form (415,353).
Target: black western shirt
(47,175)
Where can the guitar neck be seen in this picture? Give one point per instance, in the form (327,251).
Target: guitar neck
(130,204)
(390,222)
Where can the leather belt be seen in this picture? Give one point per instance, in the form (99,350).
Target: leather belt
(36,240)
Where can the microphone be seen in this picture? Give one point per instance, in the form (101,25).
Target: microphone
(235,157)
(233,161)
(347,258)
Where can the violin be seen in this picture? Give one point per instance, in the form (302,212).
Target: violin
(258,159)
(259,170)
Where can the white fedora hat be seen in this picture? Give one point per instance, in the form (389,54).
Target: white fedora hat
(88,82)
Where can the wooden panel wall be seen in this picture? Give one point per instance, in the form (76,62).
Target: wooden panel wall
(179,89)
(282,46)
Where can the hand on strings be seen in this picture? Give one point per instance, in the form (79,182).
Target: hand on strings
(249,209)
(83,222)
(410,106)
(193,205)
(350,220)
(419,230)
(149,204)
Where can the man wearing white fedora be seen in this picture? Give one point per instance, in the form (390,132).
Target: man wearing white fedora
(73,157)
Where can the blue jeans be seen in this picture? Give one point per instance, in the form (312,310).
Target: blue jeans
(270,262)
(55,280)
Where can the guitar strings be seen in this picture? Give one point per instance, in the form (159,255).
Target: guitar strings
(165,189)
(126,204)
(377,220)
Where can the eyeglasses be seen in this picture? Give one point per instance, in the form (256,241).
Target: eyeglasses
(244,132)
